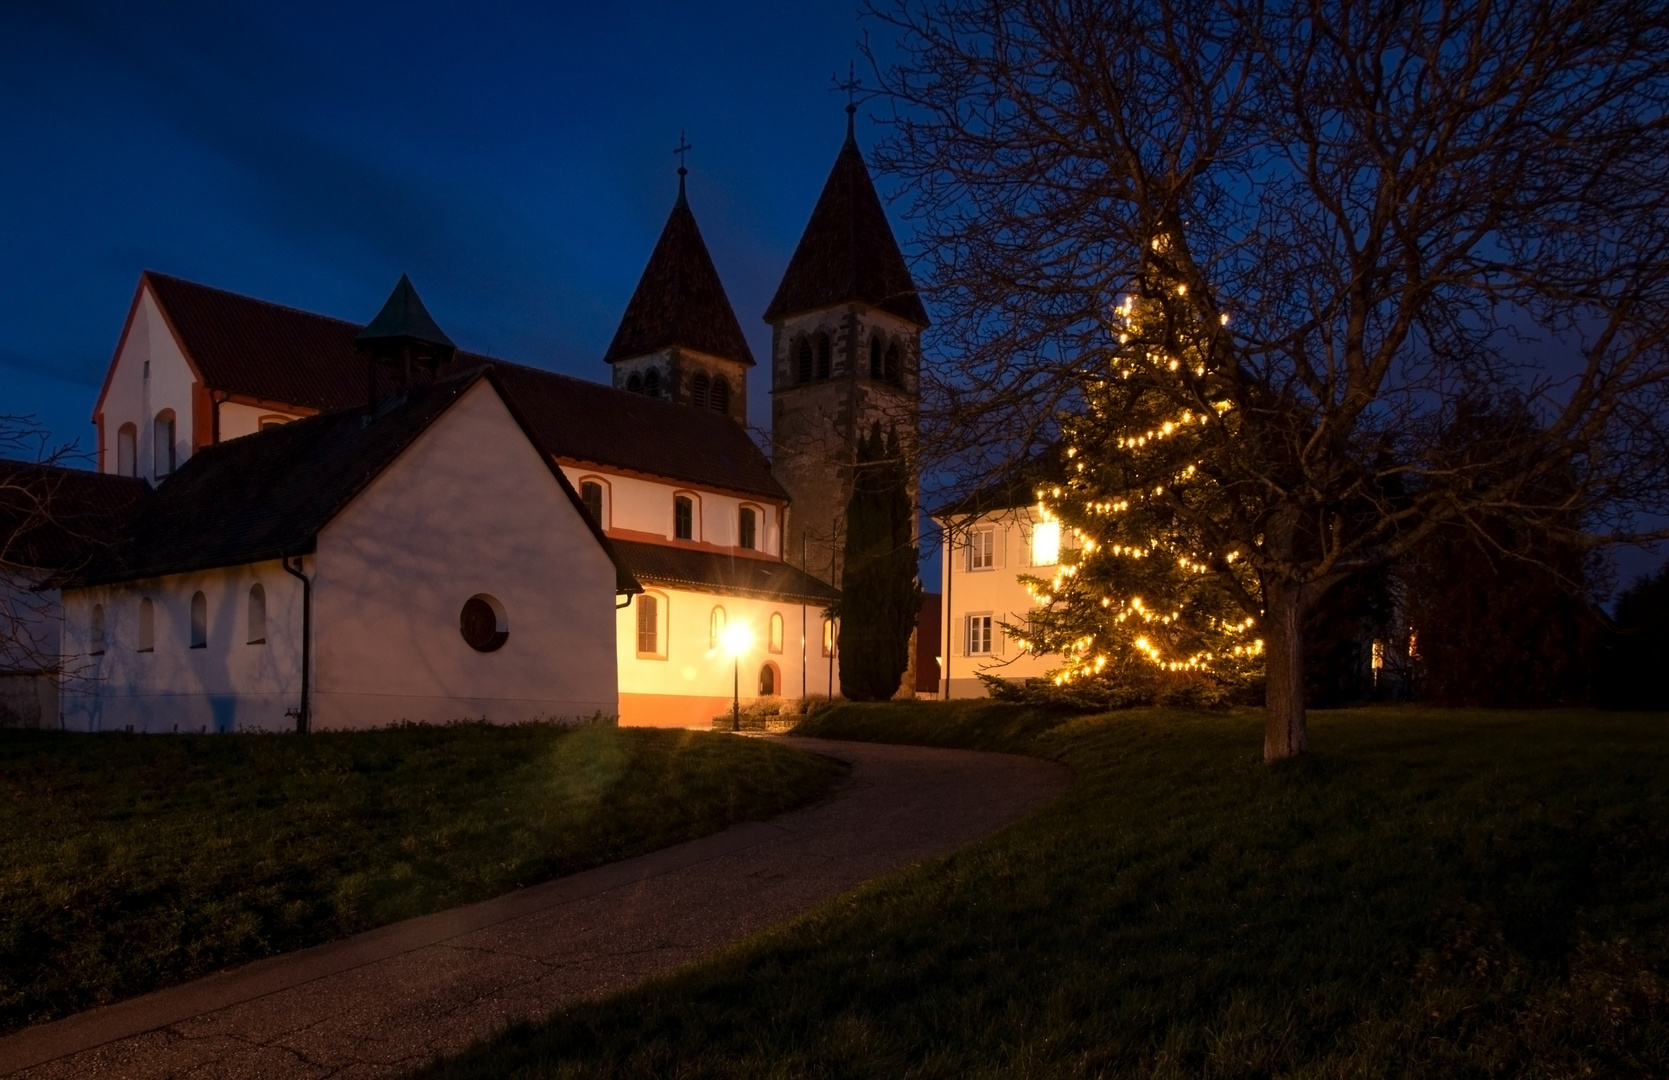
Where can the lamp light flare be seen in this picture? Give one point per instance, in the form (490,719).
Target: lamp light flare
(736,638)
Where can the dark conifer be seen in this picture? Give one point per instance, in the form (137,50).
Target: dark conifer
(879,596)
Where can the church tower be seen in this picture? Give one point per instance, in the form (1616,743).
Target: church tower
(679,339)
(846,328)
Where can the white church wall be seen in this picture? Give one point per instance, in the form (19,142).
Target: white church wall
(228,684)
(641,508)
(237,419)
(468,509)
(690,681)
(148,375)
(996,592)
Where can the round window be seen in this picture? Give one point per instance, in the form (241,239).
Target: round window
(482,623)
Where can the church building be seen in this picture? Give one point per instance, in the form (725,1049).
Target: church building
(402,480)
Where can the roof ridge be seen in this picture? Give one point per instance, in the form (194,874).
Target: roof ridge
(252,299)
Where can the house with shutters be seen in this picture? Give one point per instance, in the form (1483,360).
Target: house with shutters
(692,529)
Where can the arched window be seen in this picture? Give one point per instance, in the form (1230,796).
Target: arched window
(95,631)
(747,528)
(127,450)
(634,383)
(683,518)
(652,382)
(649,627)
(147,625)
(802,361)
(199,621)
(715,628)
(875,347)
(591,494)
(719,397)
(774,643)
(698,390)
(768,680)
(162,444)
(257,615)
(890,369)
(825,356)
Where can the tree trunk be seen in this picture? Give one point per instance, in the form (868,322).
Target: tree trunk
(1285,732)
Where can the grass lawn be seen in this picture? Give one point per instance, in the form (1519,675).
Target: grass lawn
(1433,894)
(129,863)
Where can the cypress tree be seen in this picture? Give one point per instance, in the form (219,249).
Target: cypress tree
(880,599)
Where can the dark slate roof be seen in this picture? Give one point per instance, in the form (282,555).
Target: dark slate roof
(247,346)
(848,251)
(679,299)
(404,318)
(269,494)
(53,518)
(1009,489)
(730,575)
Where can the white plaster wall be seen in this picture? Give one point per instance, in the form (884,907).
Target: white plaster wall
(997,592)
(469,508)
(638,504)
(230,685)
(238,419)
(692,667)
(134,398)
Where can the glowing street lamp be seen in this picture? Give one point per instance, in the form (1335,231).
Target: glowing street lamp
(736,639)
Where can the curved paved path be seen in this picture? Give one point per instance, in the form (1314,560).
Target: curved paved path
(389,1000)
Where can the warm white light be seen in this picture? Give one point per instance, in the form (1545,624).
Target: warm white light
(1046,543)
(737,638)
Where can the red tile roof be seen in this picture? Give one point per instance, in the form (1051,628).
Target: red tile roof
(251,347)
(848,251)
(53,518)
(728,575)
(679,299)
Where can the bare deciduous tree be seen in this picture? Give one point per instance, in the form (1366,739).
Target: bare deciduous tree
(1392,208)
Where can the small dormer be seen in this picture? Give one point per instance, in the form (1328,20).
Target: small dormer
(679,339)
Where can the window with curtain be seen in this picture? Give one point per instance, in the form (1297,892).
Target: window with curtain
(199,621)
(257,615)
(982,549)
(648,625)
(979,635)
(828,637)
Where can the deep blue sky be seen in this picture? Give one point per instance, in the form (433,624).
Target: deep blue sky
(515,159)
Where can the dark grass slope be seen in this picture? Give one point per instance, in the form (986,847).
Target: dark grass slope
(1435,894)
(128,863)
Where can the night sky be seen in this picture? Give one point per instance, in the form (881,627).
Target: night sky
(514,159)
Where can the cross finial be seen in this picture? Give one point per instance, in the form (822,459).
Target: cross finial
(681,150)
(851,87)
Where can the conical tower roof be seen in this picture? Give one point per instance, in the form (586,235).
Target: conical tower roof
(680,301)
(404,320)
(848,251)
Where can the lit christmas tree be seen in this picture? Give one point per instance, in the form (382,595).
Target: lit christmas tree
(1150,601)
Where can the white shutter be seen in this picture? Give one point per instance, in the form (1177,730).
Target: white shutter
(999,642)
(1025,556)
(999,541)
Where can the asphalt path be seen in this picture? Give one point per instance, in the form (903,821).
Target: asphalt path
(390,1000)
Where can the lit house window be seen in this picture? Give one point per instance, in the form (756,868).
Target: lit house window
(979,635)
(95,631)
(775,641)
(199,621)
(747,528)
(257,615)
(982,549)
(1046,543)
(649,626)
(162,444)
(715,628)
(146,638)
(828,637)
(683,518)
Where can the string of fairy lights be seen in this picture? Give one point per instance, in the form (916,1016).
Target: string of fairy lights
(1133,585)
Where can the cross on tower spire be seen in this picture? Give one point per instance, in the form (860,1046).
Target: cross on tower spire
(681,150)
(851,87)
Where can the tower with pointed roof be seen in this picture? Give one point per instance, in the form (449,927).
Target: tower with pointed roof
(846,326)
(679,338)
